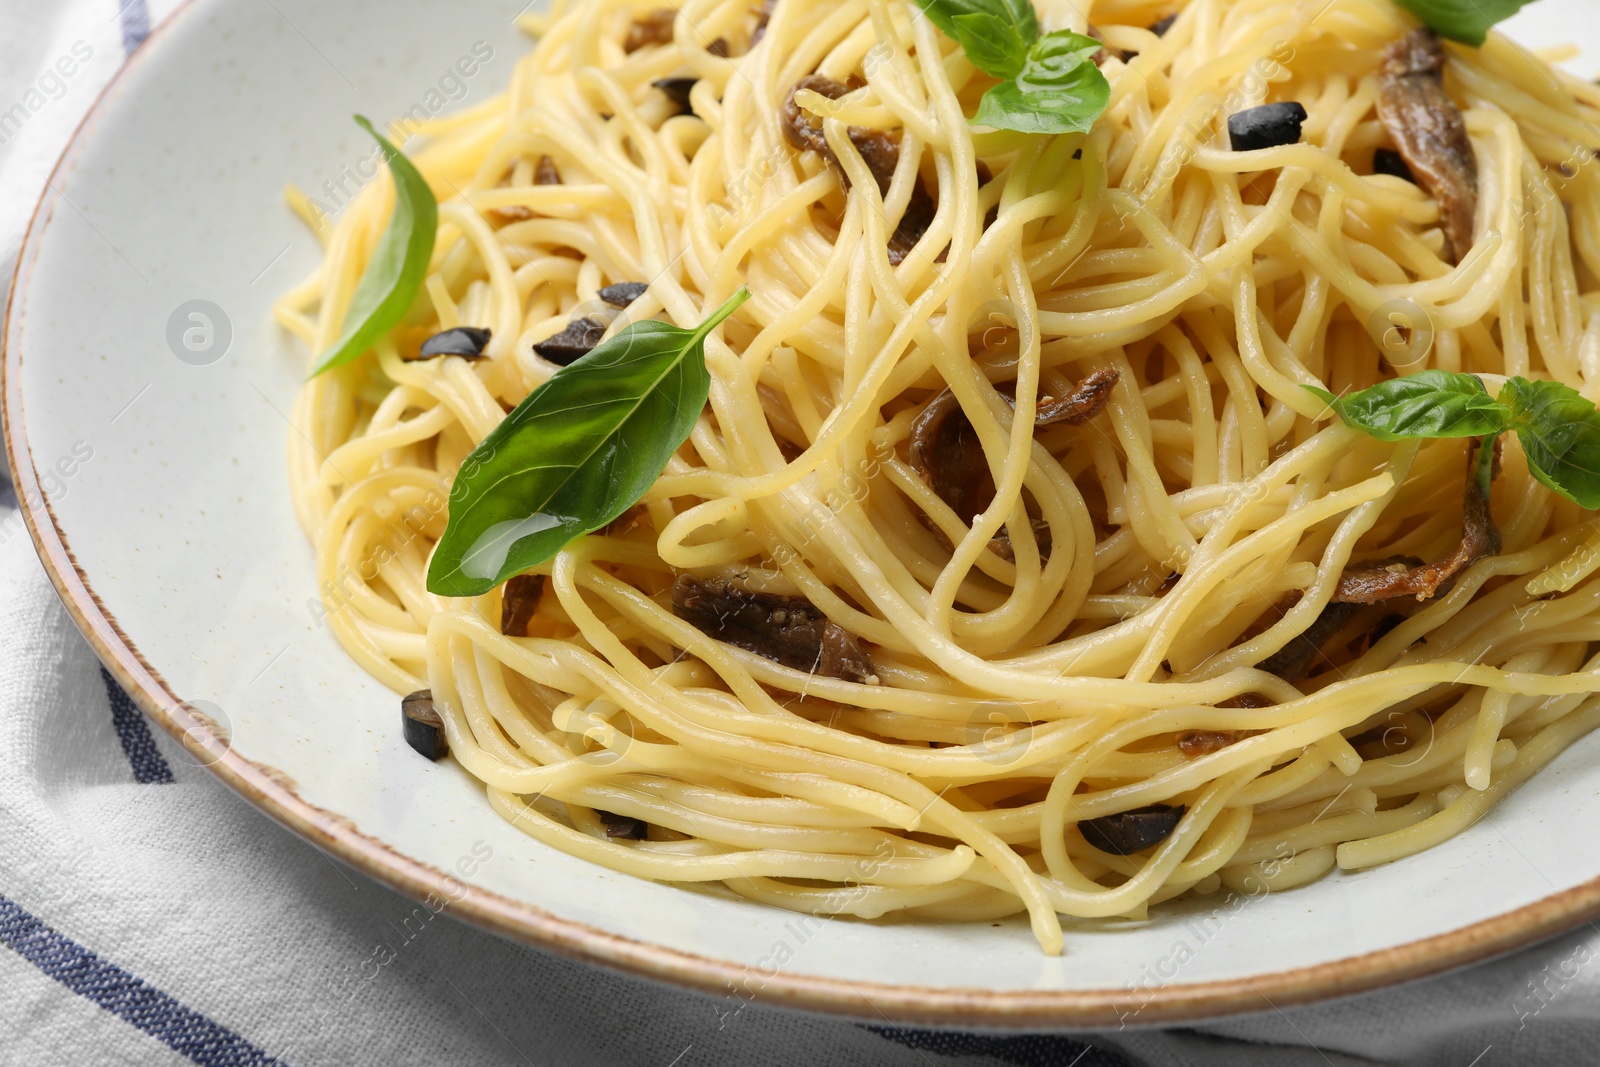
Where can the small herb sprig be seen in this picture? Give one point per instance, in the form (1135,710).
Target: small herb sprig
(1559,430)
(1048,81)
(576,453)
(1467,21)
(395,272)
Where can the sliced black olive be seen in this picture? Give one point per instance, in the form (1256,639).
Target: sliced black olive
(1388,161)
(677,90)
(1133,831)
(622,294)
(1160,26)
(1267,126)
(718,48)
(518,601)
(572,343)
(424,729)
(624,827)
(468,342)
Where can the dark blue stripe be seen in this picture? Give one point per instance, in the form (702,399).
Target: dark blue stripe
(135,24)
(130,999)
(1024,1050)
(149,766)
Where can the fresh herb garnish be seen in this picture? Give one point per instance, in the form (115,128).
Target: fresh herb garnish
(1559,430)
(575,454)
(398,264)
(1467,21)
(1560,435)
(1049,82)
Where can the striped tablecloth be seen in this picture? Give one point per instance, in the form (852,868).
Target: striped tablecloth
(150,917)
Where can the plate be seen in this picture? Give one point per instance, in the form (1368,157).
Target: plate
(146,392)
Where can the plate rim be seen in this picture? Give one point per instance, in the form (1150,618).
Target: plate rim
(274,793)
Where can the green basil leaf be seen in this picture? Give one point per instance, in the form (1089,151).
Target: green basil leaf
(1017,16)
(1560,434)
(1432,403)
(575,454)
(1058,90)
(1467,21)
(991,44)
(398,264)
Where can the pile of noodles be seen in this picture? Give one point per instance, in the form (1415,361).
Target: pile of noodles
(1188,533)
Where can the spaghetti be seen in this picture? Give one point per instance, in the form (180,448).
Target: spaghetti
(1106,659)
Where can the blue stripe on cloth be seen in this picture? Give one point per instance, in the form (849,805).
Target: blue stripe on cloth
(1024,1050)
(135,24)
(125,996)
(149,766)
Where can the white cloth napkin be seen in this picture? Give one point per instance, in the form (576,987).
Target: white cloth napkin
(149,916)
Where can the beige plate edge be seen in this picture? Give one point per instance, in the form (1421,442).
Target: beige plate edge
(272,792)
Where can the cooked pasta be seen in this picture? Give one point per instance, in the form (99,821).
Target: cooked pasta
(1010,442)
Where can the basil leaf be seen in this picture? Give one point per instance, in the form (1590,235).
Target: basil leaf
(1016,16)
(1049,84)
(1432,403)
(1467,21)
(398,264)
(1560,434)
(1058,90)
(575,454)
(991,44)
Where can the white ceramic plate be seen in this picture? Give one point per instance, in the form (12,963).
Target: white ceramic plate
(175,548)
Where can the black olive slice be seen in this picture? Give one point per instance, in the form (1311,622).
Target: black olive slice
(572,343)
(622,294)
(468,342)
(1160,26)
(424,729)
(1267,126)
(1133,831)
